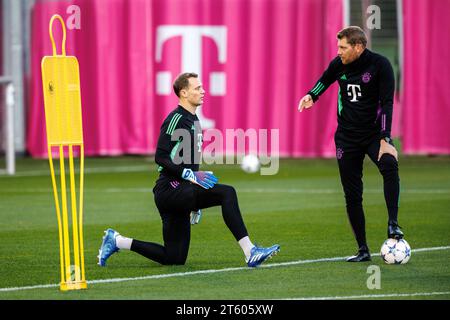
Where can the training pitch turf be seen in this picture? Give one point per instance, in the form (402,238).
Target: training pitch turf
(301,208)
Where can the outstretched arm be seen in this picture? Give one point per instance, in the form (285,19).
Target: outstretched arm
(327,78)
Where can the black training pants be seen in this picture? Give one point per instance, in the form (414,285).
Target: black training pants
(175,200)
(350,157)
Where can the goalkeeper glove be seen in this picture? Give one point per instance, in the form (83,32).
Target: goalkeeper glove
(205,179)
(196,216)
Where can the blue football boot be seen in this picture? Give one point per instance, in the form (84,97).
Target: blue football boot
(258,255)
(108,247)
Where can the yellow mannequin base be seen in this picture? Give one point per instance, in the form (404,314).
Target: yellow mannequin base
(72,285)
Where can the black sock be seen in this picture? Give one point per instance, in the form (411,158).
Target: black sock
(389,169)
(150,250)
(357,221)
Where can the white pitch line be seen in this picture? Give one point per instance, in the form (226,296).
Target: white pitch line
(190,273)
(39,286)
(368,296)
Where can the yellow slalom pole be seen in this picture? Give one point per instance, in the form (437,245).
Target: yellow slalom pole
(64,214)
(73,201)
(58,213)
(83,277)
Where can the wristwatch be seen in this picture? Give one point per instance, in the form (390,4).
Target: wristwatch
(387,139)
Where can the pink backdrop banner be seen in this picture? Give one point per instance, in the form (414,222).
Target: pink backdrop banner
(256,59)
(426,74)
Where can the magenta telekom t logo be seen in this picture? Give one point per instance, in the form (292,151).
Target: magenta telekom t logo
(191,58)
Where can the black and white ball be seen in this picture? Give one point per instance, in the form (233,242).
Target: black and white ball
(395,251)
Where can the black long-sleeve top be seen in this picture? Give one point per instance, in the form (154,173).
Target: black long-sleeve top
(366,91)
(179,143)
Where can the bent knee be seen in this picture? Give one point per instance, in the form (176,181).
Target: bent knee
(178,261)
(388,162)
(229,191)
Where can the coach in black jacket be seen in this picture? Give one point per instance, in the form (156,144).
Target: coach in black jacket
(364,113)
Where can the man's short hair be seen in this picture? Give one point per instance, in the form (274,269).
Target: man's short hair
(182,82)
(354,35)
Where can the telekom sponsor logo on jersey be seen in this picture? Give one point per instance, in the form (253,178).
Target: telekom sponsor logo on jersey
(354,91)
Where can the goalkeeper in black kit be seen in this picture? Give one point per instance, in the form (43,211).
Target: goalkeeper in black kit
(364,113)
(182,190)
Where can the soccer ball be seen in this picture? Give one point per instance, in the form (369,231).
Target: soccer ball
(395,251)
(250,163)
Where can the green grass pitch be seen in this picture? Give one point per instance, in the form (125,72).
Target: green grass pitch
(301,208)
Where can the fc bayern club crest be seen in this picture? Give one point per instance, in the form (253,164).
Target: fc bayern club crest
(339,153)
(366,77)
